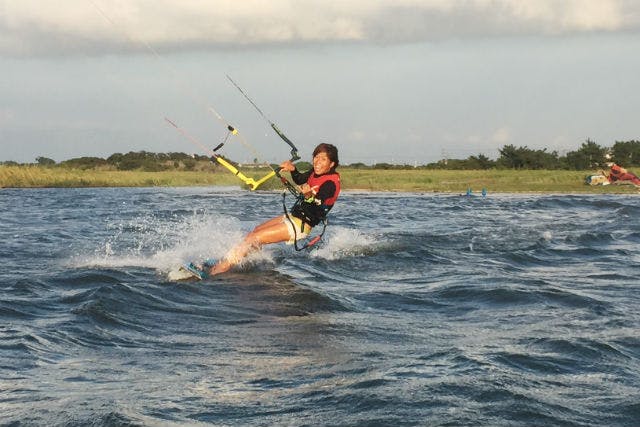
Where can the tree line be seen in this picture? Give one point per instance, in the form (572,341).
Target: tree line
(590,155)
(133,160)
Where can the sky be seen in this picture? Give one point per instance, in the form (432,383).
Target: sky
(397,81)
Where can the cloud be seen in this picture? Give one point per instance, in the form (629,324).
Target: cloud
(6,116)
(34,27)
(356,135)
(501,136)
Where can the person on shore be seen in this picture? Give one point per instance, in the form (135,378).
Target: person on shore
(320,187)
(619,175)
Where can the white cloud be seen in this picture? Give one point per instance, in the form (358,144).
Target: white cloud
(356,135)
(501,136)
(571,15)
(29,27)
(6,116)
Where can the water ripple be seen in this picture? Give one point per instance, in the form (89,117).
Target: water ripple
(417,309)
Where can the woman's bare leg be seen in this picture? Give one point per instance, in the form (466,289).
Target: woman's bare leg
(272,231)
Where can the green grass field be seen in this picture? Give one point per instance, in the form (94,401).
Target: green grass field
(414,180)
(35,176)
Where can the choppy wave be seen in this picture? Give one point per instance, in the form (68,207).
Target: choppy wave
(416,309)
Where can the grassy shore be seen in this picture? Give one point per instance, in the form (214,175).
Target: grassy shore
(415,180)
(35,177)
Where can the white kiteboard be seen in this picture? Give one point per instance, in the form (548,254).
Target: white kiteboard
(185,272)
(191,271)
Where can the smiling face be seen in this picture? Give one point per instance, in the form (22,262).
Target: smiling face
(322,164)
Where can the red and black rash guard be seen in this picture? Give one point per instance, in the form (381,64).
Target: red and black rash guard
(325,187)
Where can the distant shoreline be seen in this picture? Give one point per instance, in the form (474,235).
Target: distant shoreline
(406,180)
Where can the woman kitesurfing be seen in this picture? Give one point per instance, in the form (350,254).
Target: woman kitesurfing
(318,188)
(315,194)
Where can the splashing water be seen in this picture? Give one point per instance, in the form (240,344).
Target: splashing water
(345,242)
(155,243)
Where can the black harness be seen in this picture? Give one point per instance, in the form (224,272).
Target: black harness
(300,199)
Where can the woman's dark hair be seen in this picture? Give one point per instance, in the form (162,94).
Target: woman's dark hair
(330,150)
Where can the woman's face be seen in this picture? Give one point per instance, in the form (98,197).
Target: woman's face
(321,163)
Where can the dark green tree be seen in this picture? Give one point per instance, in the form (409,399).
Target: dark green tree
(626,153)
(479,162)
(512,157)
(385,166)
(590,155)
(358,165)
(45,161)
(84,163)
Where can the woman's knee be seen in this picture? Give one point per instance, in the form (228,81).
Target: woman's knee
(252,240)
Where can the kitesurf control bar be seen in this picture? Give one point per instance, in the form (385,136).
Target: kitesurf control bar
(247,180)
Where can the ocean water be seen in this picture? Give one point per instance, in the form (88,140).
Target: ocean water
(417,309)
